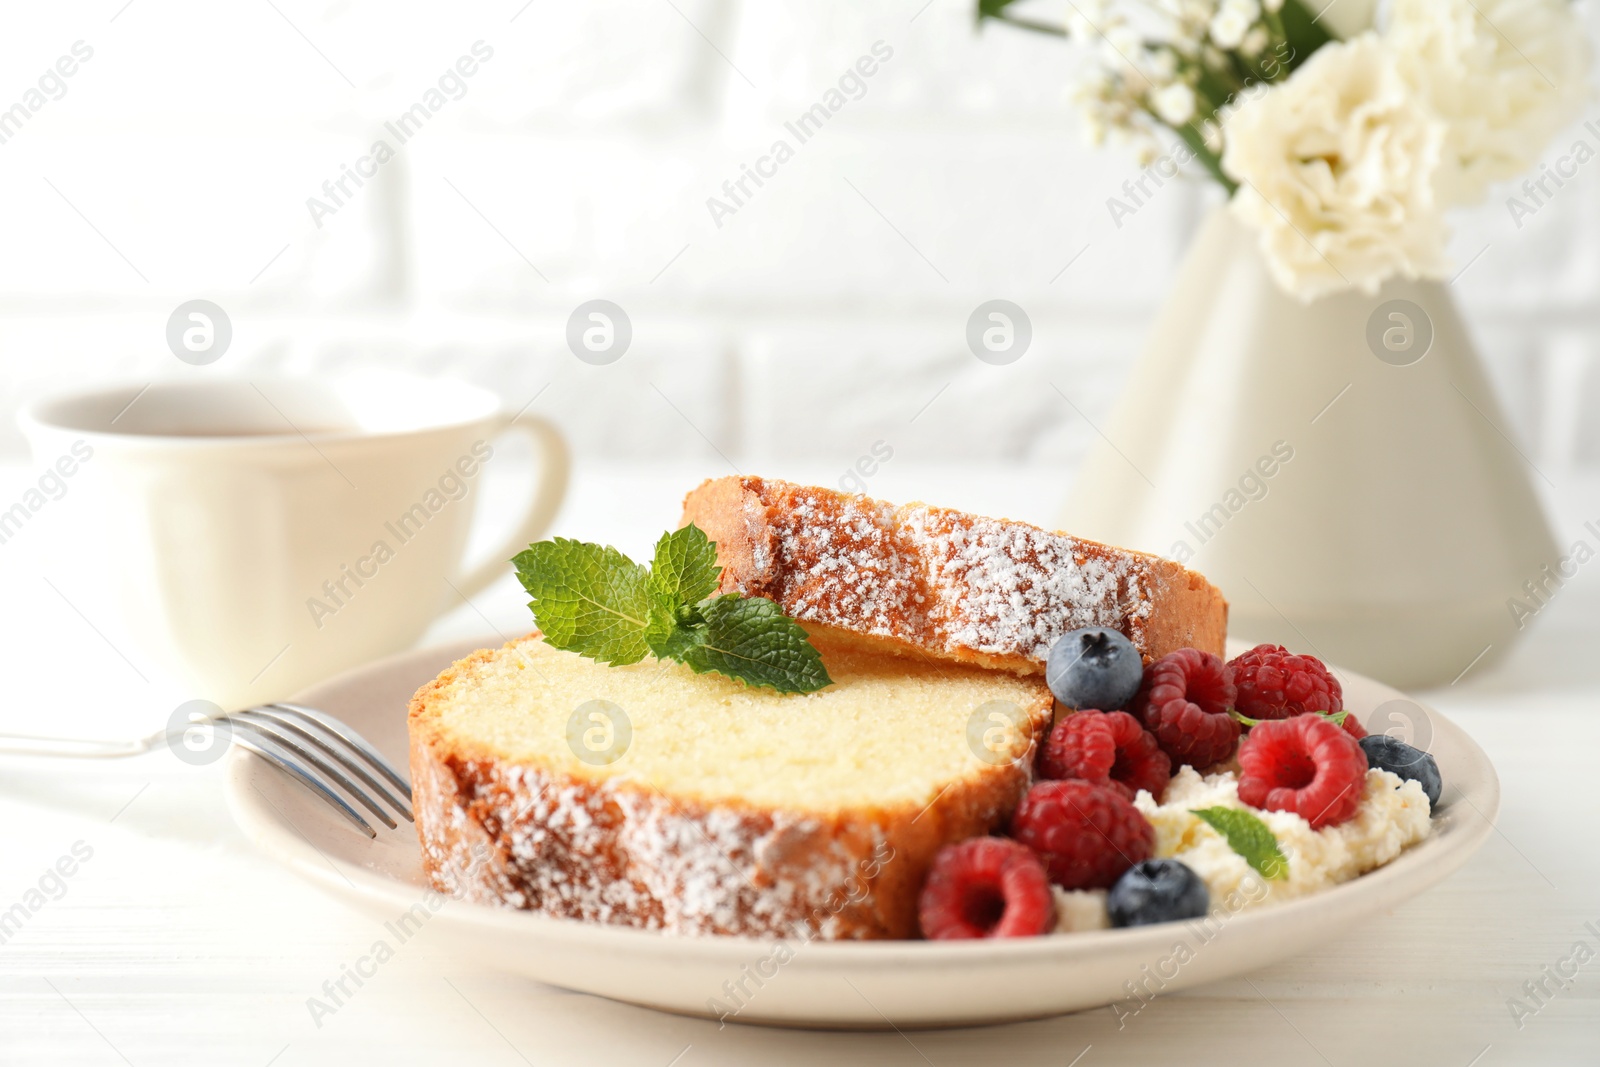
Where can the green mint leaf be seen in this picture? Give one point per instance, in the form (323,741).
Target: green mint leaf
(1337,718)
(589,599)
(677,640)
(685,569)
(751,639)
(683,573)
(661,625)
(593,600)
(1249,837)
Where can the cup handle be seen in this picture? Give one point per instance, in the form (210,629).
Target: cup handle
(555,465)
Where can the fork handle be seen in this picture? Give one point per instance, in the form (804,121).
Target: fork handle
(73,747)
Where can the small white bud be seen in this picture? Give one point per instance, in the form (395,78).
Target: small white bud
(1173,103)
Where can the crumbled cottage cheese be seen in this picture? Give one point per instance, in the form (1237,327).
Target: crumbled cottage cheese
(1080,909)
(1393,816)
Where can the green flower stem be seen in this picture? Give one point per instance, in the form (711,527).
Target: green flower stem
(1190,135)
(1251,71)
(1243,75)
(1216,91)
(1303,32)
(1274,21)
(1030,24)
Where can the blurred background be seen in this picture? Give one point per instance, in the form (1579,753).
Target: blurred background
(824,313)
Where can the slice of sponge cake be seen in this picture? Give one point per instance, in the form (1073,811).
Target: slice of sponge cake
(654,797)
(944,583)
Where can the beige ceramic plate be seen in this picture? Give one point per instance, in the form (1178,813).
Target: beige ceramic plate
(866,985)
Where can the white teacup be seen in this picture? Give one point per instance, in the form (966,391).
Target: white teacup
(255,536)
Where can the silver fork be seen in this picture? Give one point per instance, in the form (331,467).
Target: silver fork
(311,746)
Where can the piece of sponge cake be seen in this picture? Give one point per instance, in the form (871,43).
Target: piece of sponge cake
(943,583)
(731,809)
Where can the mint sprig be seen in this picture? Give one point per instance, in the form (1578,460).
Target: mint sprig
(593,600)
(1249,837)
(588,599)
(685,567)
(1335,717)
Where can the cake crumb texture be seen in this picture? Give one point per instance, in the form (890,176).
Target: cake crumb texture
(733,810)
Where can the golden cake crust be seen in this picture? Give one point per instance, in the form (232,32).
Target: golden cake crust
(944,583)
(620,851)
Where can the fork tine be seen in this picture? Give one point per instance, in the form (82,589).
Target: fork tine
(265,750)
(280,719)
(340,730)
(289,741)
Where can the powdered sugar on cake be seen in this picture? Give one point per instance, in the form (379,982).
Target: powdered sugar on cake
(620,853)
(842,560)
(909,572)
(1003,587)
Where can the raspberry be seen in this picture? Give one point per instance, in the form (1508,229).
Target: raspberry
(1087,834)
(1107,748)
(1305,765)
(986,887)
(1274,683)
(1184,701)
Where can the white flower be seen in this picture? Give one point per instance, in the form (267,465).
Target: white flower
(1229,26)
(1505,75)
(1080,29)
(1336,168)
(1146,150)
(1121,46)
(1161,66)
(1173,103)
(1088,19)
(1190,15)
(1111,110)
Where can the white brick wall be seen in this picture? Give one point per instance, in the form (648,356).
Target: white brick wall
(821,317)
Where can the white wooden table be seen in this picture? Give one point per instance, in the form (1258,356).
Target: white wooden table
(172,942)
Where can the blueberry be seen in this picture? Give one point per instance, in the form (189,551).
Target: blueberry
(1386,753)
(1157,891)
(1094,668)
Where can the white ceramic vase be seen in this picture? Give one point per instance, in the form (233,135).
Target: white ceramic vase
(1341,469)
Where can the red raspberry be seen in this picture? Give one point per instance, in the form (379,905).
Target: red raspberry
(1087,834)
(1107,748)
(1274,683)
(1305,765)
(1184,701)
(986,887)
